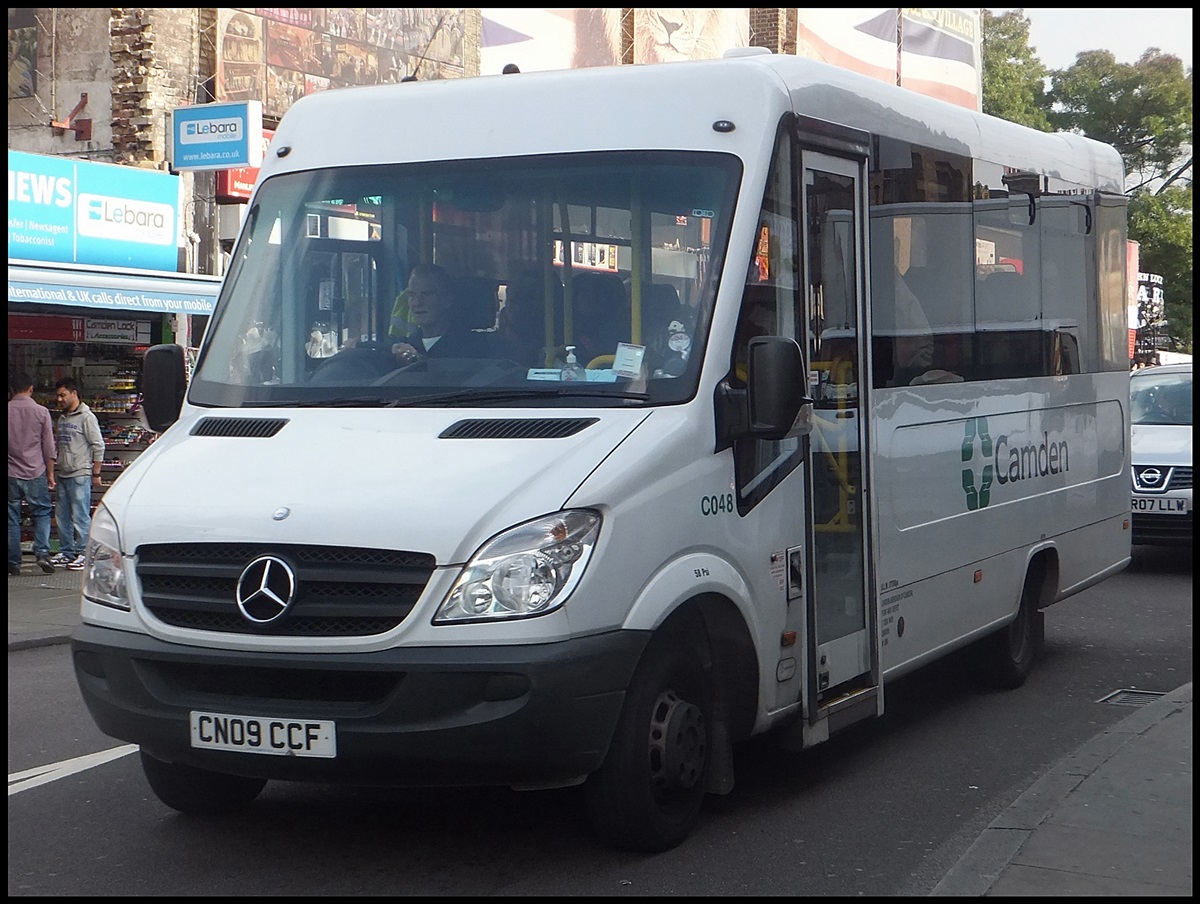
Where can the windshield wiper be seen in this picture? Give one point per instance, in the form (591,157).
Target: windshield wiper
(471,396)
(355,402)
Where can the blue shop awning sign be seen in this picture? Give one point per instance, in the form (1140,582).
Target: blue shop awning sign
(113,289)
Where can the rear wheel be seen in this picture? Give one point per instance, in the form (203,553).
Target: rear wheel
(199,792)
(1009,654)
(647,795)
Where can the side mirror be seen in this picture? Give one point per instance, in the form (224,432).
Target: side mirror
(776,384)
(164,381)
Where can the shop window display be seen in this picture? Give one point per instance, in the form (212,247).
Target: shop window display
(109,376)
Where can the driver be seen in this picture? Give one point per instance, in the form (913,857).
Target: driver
(439,332)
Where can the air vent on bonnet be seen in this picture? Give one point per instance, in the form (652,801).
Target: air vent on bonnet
(517,428)
(239,426)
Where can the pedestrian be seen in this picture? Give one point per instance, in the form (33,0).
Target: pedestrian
(31,456)
(77,470)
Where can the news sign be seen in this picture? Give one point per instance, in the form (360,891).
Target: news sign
(216,136)
(64,210)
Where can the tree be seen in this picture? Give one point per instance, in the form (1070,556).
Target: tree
(1162,223)
(1143,109)
(1013,79)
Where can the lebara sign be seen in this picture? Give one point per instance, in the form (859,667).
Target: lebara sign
(216,136)
(74,211)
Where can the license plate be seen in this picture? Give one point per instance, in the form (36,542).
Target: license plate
(1161,505)
(256,734)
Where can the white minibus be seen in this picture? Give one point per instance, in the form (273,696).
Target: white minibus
(569,428)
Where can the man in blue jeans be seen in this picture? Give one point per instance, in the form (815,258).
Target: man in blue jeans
(80,457)
(31,456)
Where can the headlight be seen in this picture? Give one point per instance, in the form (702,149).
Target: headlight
(103,567)
(528,570)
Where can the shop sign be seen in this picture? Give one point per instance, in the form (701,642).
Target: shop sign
(57,328)
(134,298)
(216,136)
(72,211)
(135,332)
(236,185)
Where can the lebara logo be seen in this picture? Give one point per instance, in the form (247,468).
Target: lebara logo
(125,220)
(978,488)
(207,131)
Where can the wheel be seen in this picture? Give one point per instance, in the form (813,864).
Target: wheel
(647,794)
(1009,653)
(199,792)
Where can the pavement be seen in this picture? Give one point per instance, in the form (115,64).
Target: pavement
(1112,818)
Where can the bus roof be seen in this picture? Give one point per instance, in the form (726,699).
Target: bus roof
(658,106)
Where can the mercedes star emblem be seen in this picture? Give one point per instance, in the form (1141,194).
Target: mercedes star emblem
(265,590)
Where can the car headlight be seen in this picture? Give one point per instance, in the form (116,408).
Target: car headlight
(103,567)
(528,570)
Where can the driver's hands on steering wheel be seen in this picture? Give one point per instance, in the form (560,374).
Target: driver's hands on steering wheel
(404,353)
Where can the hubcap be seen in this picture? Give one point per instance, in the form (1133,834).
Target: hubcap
(677,744)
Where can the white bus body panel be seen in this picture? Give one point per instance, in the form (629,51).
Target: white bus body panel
(1060,460)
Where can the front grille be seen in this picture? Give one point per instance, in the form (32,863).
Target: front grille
(1162,530)
(195,681)
(340,592)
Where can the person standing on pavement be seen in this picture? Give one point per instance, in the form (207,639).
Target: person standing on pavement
(80,455)
(31,456)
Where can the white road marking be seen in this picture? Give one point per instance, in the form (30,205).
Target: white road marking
(41,775)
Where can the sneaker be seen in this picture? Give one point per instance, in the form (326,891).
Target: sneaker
(44,563)
(76,564)
(61,559)
(14,571)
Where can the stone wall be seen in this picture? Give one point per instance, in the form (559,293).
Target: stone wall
(72,60)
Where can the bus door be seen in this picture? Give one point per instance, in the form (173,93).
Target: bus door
(843,650)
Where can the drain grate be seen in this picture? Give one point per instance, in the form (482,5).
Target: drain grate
(1127,696)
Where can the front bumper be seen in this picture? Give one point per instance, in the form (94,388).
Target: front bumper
(1163,519)
(531,715)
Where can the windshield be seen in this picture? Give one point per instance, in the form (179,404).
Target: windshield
(1161,398)
(578,280)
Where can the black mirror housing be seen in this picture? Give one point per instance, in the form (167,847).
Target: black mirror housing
(777,382)
(164,381)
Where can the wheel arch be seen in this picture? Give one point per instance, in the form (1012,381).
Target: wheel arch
(1043,570)
(725,646)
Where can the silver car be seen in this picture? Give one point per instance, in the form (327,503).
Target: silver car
(1160,400)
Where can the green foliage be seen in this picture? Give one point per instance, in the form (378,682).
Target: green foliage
(1162,225)
(1013,78)
(1144,110)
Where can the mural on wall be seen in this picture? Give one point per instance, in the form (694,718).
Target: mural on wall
(670,35)
(22,53)
(935,52)
(279,55)
(541,39)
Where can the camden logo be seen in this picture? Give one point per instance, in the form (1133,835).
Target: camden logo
(1007,460)
(978,488)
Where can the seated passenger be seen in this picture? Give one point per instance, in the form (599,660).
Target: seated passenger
(914,346)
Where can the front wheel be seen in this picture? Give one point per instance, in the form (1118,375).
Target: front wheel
(648,793)
(199,792)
